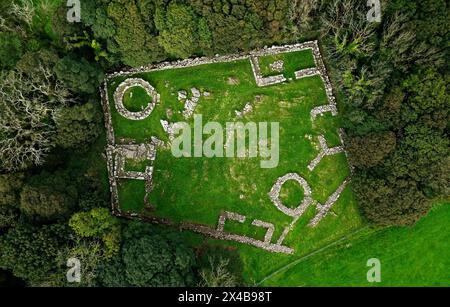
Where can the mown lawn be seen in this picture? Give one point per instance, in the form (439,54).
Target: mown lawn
(199,189)
(409,256)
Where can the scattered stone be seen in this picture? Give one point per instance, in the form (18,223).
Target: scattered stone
(182,95)
(195,92)
(247,109)
(277,66)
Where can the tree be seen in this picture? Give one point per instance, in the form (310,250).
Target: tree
(204,35)
(77,126)
(28,103)
(125,28)
(10,186)
(150,256)
(370,150)
(47,197)
(98,223)
(177,28)
(90,253)
(10,49)
(398,202)
(218,274)
(78,74)
(30,252)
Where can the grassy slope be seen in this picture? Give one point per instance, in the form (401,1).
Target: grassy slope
(410,256)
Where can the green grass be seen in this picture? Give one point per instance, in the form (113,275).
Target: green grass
(136,165)
(293,61)
(291,194)
(135,99)
(409,256)
(199,189)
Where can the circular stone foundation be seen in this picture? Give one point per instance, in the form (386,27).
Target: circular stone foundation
(274,195)
(128,84)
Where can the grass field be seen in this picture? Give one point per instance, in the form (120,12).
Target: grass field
(293,61)
(409,256)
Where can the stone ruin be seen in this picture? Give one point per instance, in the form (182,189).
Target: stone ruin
(135,152)
(277,66)
(247,109)
(274,194)
(126,85)
(324,151)
(189,103)
(117,154)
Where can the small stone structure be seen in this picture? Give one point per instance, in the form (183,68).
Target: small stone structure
(277,66)
(139,152)
(189,103)
(264,81)
(127,84)
(274,194)
(247,109)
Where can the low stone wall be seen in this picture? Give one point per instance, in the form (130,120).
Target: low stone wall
(218,233)
(274,194)
(126,85)
(308,72)
(323,209)
(324,151)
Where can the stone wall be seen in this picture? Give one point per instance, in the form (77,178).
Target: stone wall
(126,85)
(115,171)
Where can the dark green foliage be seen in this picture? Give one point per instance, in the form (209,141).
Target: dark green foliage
(370,150)
(177,28)
(49,196)
(77,126)
(78,74)
(397,202)
(150,256)
(126,28)
(183,28)
(30,252)
(10,49)
(10,186)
